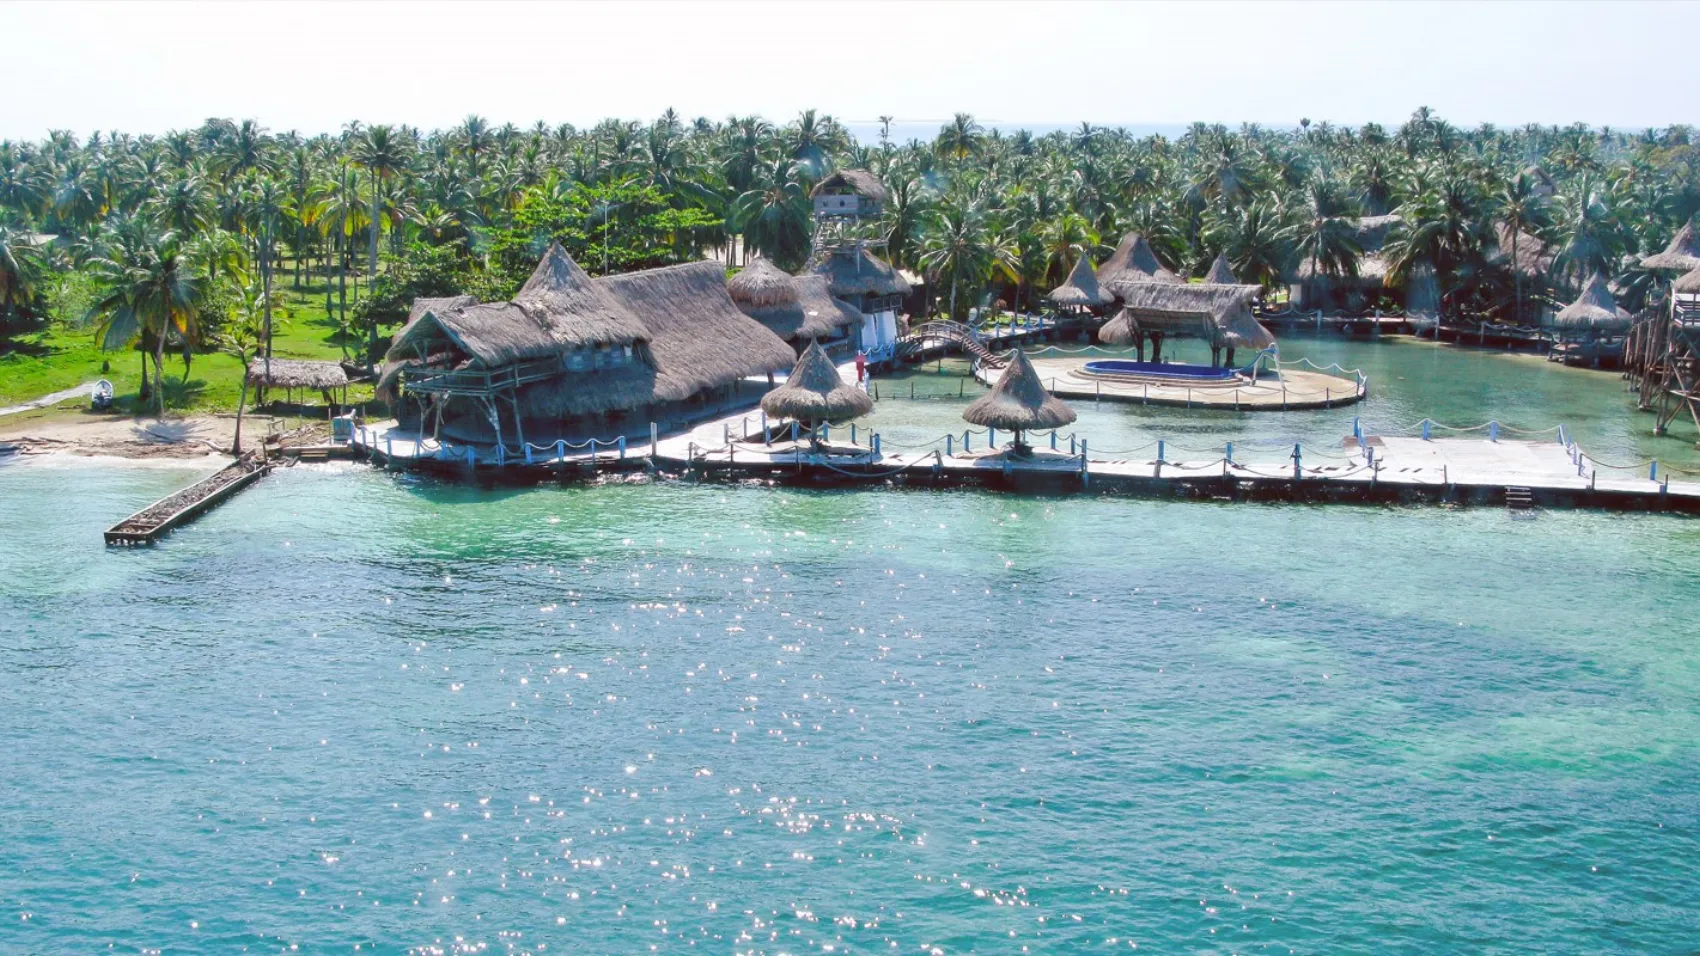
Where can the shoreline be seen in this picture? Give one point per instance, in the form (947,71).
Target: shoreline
(81,434)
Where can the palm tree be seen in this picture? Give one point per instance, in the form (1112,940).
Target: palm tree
(1323,234)
(1522,209)
(960,138)
(774,219)
(21,269)
(961,248)
(1255,238)
(380,154)
(146,290)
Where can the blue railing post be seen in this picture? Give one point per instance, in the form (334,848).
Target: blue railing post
(826,431)
(472,456)
(1160,448)
(852,433)
(876,444)
(389,447)
(967,442)
(527,446)
(1369,458)
(1298,458)
(560,449)
(793,433)
(1493,431)
(622,447)
(1358,429)
(1230,455)
(1083,454)
(991,438)
(1053,441)
(1653,471)
(1425,430)
(947,446)
(654,438)
(765,438)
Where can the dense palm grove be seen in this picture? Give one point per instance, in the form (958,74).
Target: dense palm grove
(186,241)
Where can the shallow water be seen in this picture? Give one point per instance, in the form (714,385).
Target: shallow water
(354,710)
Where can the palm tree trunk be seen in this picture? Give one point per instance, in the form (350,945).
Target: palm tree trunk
(1516,279)
(372,331)
(159,372)
(241,403)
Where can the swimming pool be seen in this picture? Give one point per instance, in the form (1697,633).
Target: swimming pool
(1172,371)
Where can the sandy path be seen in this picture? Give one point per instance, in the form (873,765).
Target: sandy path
(46,400)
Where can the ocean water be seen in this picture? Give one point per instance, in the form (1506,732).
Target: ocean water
(355,712)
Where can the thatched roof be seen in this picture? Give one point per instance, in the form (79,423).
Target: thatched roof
(1220,272)
(853,272)
(1081,287)
(1533,256)
(1682,254)
(421,306)
(1018,401)
(815,392)
(1688,283)
(1594,309)
(492,334)
(1133,260)
(812,313)
(698,338)
(1220,314)
(761,284)
(563,299)
(296,373)
(859,181)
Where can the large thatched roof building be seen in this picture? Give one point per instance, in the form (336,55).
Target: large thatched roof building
(573,356)
(798,309)
(1221,315)
(1681,255)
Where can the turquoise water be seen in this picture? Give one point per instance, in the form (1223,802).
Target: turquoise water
(354,712)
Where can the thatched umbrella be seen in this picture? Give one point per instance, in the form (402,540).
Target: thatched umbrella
(1081,288)
(1134,260)
(815,394)
(762,285)
(1595,310)
(1220,272)
(1017,403)
(1681,255)
(1688,284)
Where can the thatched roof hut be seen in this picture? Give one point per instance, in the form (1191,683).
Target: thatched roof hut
(1688,283)
(1081,289)
(816,393)
(1018,402)
(296,373)
(853,272)
(1219,314)
(1681,255)
(762,284)
(1595,310)
(1533,257)
(858,181)
(1220,272)
(1133,260)
(812,313)
(563,299)
(422,306)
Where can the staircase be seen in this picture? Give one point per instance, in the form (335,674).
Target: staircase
(1520,502)
(950,333)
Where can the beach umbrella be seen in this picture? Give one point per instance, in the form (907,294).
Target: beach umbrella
(1081,288)
(815,394)
(1220,272)
(1594,310)
(1018,403)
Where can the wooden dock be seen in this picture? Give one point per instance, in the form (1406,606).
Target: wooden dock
(172,511)
(1291,389)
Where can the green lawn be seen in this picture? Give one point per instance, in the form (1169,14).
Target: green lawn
(65,357)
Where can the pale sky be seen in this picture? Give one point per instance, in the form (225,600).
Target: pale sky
(311,67)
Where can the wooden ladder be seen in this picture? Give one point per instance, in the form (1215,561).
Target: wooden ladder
(1519,500)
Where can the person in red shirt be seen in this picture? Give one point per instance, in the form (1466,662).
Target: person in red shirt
(861,367)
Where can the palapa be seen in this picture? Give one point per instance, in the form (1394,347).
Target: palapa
(296,373)
(1681,255)
(816,394)
(853,272)
(761,284)
(1219,314)
(1594,310)
(812,313)
(859,181)
(1220,272)
(1081,288)
(1688,283)
(1133,260)
(1018,402)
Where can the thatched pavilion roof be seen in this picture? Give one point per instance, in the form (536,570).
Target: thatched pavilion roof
(492,334)
(1594,309)
(853,272)
(1682,254)
(1133,260)
(812,313)
(563,299)
(1688,283)
(857,180)
(1219,314)
(816,393)
(296,373)
(1081,287)
(1018,401)
(421,306)
(1220,272)
(762,284)
(1533,256)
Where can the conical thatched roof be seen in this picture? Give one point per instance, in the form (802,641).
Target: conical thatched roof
(1220,272)
(562,298)
(761,285)
(1133,260)
(1219,314)
(1689,283)
(1593,309)
(816,393)
(1018,401)
(1081,287)
(812,313)
(853,272)
(1681,255)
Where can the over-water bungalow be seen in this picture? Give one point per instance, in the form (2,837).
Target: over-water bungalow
(571,357)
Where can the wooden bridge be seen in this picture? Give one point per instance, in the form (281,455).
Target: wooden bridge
(944,333)
(146,525)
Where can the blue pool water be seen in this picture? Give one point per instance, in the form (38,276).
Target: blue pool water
(1154,370)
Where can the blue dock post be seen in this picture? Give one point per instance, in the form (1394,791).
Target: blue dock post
(527,447)
(991,438)
(1072,449)
(472,456)
(501,454)
(1358,428)
(1493,431)
(560,449)
(1653,472)
(876,444)
(793,433)
(622,448)
(1298,460)
(654,439)
(1425,429)
(967,436)
(1053,441)
(852,433)
(1561,436)
(947,441)
(1369,458)
(826,431)
(1230,456)
(1160,458)
(1083,454)
(389,448)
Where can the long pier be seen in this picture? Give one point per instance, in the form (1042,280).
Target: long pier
(182,507)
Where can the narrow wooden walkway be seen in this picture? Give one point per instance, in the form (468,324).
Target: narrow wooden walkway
(176,510)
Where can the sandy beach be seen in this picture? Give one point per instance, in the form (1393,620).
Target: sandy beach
(82,433)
